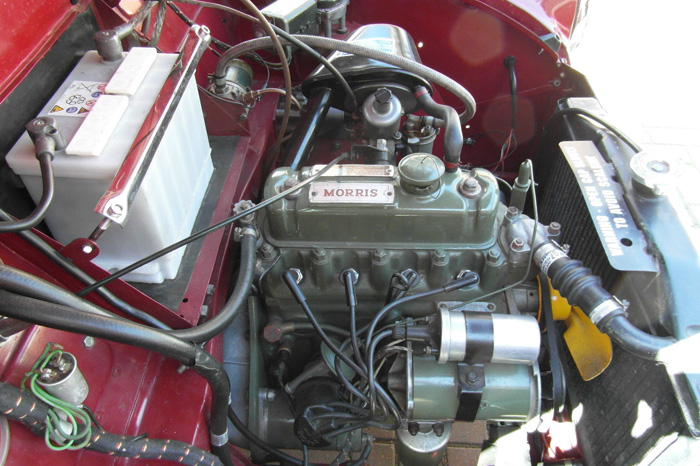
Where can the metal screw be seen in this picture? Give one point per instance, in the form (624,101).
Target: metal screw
(512,212)
(210,289)
(554,228)
(471,377)
(439,428)
(517,244)
(87,249)
(88,342)
(493,256)
(413,428)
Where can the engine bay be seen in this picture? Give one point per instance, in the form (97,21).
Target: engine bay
(233,237)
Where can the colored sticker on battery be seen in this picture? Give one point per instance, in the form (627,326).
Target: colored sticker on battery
(623,242)
(78,99)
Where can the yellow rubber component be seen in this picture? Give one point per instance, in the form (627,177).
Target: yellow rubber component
(590,349)
(560,306)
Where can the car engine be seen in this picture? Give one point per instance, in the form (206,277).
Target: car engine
(369,259)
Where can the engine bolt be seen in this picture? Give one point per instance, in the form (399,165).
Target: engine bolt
(378,256)
(88,342)
(413,428)
(517,244)
(554,229)
(268,252)
(439,428)
(493,256)
(319,255)
(512,212)
(439,257)
(470,188)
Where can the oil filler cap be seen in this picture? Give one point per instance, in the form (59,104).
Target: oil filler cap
(421,173)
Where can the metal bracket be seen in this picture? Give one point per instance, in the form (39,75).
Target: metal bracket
(115,203)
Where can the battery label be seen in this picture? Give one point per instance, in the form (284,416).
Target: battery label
(78,99)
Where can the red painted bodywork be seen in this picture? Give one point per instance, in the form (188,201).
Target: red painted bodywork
(134,391)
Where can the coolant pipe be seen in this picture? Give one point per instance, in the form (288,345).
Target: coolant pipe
(581,288)
(304,135)
(236,302)
(453,139)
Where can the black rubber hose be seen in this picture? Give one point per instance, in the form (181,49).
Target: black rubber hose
(577,284)
(86,279)
(235,303)
(630,338)
(26,284)
(123,331)
(304,135)
(509,62)
(23,406)
(37,215)
(583,289)
(23,283)
(453,139)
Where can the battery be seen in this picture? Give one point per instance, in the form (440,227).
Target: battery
(171,194)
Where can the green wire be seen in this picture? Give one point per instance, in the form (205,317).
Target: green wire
(55,437)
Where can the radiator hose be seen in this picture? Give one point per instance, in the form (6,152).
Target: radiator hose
(453,139)
(581,288)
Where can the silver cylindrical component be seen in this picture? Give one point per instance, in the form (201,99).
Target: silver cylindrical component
(516,339)
(62,379)
(479,338)
(424,447)
(381,114)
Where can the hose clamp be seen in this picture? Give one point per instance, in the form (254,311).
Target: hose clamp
(240,232)
(219,440)
(546,255)
(604,309)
